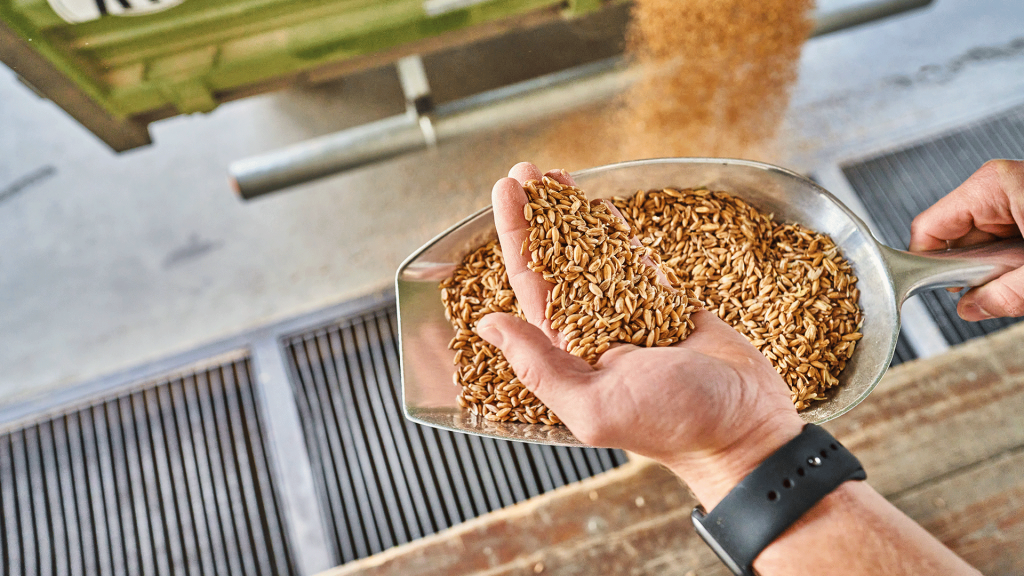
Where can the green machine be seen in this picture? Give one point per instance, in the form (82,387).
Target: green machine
(118,65)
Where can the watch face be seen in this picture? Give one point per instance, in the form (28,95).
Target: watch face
(75,11)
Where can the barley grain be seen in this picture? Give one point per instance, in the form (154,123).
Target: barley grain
(777,284)
(782,286)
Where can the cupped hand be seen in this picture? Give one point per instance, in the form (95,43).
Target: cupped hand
(710,407)
(987,206)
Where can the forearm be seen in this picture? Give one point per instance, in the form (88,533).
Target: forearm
(853,530)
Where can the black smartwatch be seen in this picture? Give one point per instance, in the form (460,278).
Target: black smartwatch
(772,497)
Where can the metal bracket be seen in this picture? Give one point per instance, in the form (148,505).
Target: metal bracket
(290,458)
(419,102)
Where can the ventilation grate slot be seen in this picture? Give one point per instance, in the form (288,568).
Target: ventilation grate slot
(903,352)
(171,479)
(386,481)
(898,186)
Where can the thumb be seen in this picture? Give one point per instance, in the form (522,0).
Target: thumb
(552,374)
(712,333)
(1002,297)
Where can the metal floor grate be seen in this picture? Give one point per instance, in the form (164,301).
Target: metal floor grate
(898,186)
(385,481)
(172,478)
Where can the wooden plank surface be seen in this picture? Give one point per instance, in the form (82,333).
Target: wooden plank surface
(929,418)
(942,438)
(978,511)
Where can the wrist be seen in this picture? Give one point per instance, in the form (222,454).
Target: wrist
(713,474)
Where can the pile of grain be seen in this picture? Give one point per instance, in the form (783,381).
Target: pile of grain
(605,290)
(489,387)
(786,288)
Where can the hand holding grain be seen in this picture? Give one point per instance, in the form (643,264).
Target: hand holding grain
(987,206)
(710,407)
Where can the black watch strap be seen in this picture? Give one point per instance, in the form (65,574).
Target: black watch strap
(772,497)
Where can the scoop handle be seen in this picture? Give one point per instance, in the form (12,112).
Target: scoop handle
(913,272)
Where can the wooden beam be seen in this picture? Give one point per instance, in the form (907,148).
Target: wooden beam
(978,512)
(941,438)
(932,417)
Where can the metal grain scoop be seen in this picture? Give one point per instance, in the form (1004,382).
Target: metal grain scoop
(886,278)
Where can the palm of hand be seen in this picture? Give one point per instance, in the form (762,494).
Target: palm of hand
(696,398)
(692,398)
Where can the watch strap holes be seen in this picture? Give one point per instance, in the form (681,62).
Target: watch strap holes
(773,496)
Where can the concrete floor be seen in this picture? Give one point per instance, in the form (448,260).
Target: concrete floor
(108,261)
(112,260)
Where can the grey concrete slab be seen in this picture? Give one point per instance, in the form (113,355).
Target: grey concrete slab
(110,260)
(881,86)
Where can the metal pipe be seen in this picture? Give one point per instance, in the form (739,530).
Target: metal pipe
(397,135)
(512,105)
(326,155)
(533,100)
(836,20)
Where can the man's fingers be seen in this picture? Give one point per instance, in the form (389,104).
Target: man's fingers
(989,201)
(987,206)
(524,172)
(509,199)
(552,374)
(1002,297)
(947,219)
(707,326)
(713,337)
(561,176)
(976,236)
